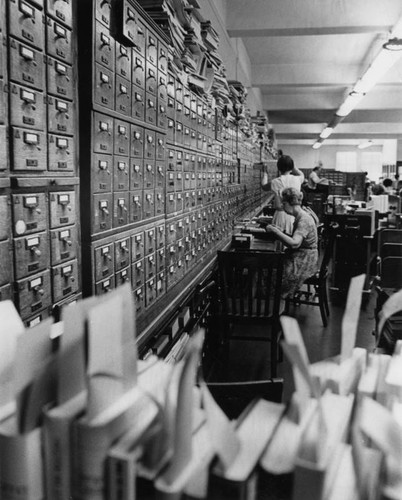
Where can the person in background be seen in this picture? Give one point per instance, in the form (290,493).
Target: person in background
(315,182)
(301,256)
(289,176)
(388,186)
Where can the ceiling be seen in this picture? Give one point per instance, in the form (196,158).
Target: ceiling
(306,56)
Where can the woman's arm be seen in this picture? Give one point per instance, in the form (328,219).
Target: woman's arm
(298,172)
(290,241)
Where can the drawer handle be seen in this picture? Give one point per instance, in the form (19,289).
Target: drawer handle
(36,251)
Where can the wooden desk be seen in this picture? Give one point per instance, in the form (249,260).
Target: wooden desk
(258,244)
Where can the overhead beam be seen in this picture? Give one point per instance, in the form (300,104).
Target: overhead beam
(316,31)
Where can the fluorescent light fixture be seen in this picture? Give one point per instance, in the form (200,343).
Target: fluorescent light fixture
(393,44)
(381,64)
(365,145)
(326,132)
(317,145)
(349,103)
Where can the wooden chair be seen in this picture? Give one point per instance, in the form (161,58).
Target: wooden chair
(249,288)
(315,288)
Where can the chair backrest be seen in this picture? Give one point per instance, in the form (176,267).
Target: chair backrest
(250,283)
(388,236)
(391,250)
(391,272)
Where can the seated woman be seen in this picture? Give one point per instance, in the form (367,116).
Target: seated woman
(289,176)
(301,259)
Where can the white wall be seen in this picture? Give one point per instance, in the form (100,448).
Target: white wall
(306,156)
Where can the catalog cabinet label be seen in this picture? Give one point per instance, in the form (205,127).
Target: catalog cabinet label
(29,213)
(58,41)
(138,102)
(104,262)
(162,114)
(123,96)
(61,153)
(104,89)
(122,254)
(136,174)
(162,87)
(149,174)
(104,46)
(148,204)
(62,208)
(150,266)
(5,217)
(59,78)
(160,260)
(137,141)
(62,10)
(34,293)
(31,254)
(63,244)
(150,241)
(6,270)
(139,300)
(121,138)
(138,273)
(162,57)
(137,246)
(159,202)
(150,292)
(26,107)
(136,206)
(102,11)
(105,286)
(123,61)
(102,212)
(150,79)
(160,146)
(138,73)
(29,151)
(101,176)
(170,203)
(26,23)
(160,235)
(160,175)
(65,280)
(149,145)
(103,133)
(123,276)
(60,116)
(121,173)
(120,209)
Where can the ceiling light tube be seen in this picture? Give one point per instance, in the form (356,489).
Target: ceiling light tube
(381,64)
(326,132)
(349,103)
(317,145)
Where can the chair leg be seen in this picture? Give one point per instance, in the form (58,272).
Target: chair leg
(274,354)
(321,300)
(325,297)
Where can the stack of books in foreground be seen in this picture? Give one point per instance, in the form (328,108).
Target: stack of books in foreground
(89,421)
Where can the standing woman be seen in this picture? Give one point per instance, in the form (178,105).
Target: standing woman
(301,260)
(289,177)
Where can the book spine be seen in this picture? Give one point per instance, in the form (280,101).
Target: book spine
(21,471)
(121,478)
(57,451)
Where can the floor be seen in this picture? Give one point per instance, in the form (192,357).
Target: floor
(249,360)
